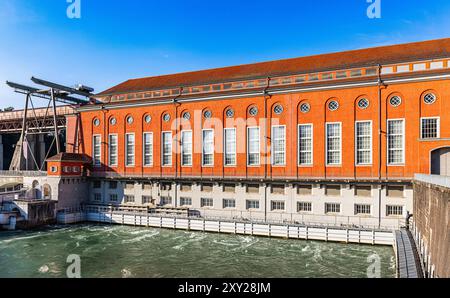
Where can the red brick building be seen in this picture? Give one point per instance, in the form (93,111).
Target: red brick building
(328,137)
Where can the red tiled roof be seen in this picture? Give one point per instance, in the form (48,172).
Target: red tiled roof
(343,60)
(63,156)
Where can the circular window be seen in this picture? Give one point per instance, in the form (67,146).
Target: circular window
(186,115)
(363,103)
(278,109)
(229,113)
(130,120)
(305,108)
(395,101)
(253,111)
(166,117)
(333,105)
(96,122)
(207,114)
(147,118)
(429,98)
(113,121)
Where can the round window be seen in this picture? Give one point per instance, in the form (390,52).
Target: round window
(186,116)
(363,103)
(333,105)
(130,120)
(148,119)
(229,113)
(253,111)
(166,117)
(278,109)
(395,101)
(96,122)
(429,98)
(207,114)
(305,108)
(113,121)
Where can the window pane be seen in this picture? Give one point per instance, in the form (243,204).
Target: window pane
(208,147)
(278,145)
(186,148)
(167,149)
(305,144)
(253,146)
(230,146)
(129,149)
(148,149)
(97,150)
(395,141)
(364,142)
(333,143)
(112,150)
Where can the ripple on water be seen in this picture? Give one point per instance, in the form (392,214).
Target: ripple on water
(148,252)
(140,238)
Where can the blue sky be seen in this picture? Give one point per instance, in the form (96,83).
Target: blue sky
(117,40)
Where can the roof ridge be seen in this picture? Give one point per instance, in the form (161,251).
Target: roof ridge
(302,63)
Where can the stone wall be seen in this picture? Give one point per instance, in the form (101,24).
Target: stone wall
(432,224)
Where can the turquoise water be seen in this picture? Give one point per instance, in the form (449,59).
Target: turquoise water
(121,251)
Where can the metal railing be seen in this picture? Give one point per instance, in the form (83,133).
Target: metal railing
(23,173)
(335,221)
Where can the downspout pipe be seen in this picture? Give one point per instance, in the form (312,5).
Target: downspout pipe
(380,138)
(177,142)
(266,96)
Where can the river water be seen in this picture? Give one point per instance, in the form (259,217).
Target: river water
(121,251)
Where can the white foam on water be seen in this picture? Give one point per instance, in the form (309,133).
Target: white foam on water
(79,237)
(137,232)
(225,243)
(21,238)
(43,269)
(194,237)
(126,273)
(140,238)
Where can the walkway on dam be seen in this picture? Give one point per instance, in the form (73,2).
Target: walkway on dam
(408,262)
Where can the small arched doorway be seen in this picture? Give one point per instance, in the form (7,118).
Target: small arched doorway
(36,191)
(440,161)
(47,193)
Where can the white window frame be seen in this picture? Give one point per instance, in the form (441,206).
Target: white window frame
(225,147)
(438,127)
(248,147)
(340,144)
(143,148)
(356,143)
(206,206)
(94,158)
(182,148)
(203,147)
(402,163)
(126,149)
(332,212)
(109,150)
(228,200)
(312,145)
(275,202)
(394,206)
(305,211)
(162,149)
(247,207)
(360,205)
(272,150)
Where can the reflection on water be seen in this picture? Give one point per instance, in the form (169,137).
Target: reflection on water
(120,251)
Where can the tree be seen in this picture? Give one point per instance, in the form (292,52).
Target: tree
(8,109)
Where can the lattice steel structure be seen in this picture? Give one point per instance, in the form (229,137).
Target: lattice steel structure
(49,120)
